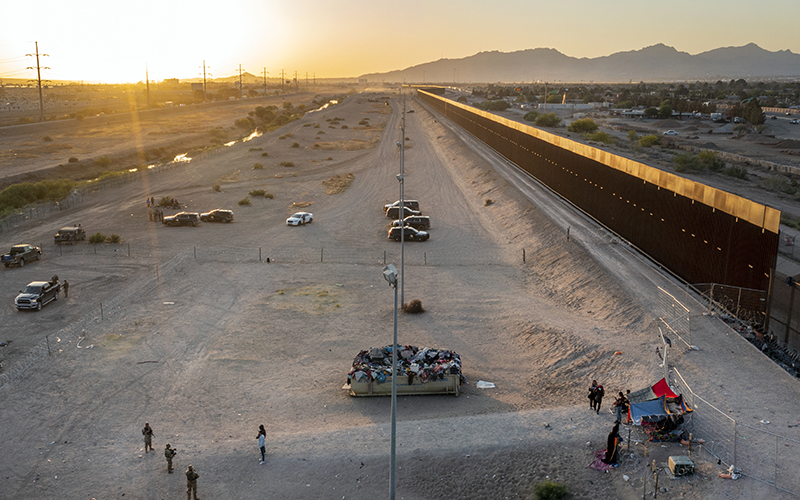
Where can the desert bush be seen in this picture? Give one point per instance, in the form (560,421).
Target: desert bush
(549,490)
(216,188)
(413,307)
(97,238)
(329,158)
(648,141)
(18,195)
(364,122)
(321,132)
(548,120)
(487,202)
(113,238)
(264,154)
(258,166)
(498,105)
(687,162)
(104,161)
(165,201)
(257,192)
(740,172)
(603,137)
(247,123)
(47,138)
(711,160)
(72,159)
(583,126)
(287,164)
(244,201)
(531,116)
(780,183)
(787,220)
(633,136)
(316,126)
(307,125)
(256,149)
(295,145)
(345,126)
(269,195)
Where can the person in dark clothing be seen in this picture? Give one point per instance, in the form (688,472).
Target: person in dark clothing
(262,435)
(66,288)
(592,392)
(598,397)
(612,445)
(621,407)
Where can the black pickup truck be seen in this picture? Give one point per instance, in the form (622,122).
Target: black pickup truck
(37,294)
(20,254)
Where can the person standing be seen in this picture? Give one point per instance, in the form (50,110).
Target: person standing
(191,483)
(66,289)
(147,432)
(592,392)
(169,453)
(598,397)
(262,436)
(620,406)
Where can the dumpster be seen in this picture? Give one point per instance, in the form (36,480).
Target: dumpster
(419,371)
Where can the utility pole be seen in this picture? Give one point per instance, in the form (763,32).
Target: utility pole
(296,83)
(147,84)
(204,81)
(315,79)
(240,81)
(265,81)
(306,80)
(283,80)
(39,69)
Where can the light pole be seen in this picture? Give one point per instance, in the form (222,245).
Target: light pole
(402,205)
(390,275)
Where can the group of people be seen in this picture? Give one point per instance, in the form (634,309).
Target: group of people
(191,474)
(64,286)
(621,404)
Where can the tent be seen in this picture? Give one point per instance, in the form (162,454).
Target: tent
(655,391)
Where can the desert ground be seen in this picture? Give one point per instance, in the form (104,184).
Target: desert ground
(192,330)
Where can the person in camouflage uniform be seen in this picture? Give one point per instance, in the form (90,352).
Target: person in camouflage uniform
(147,432)
(191,483)
(169,453)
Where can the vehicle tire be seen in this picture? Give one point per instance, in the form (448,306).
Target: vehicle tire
(21,262)
(38,306)
(396,238)
(55,297)
(38,256)
(310,220)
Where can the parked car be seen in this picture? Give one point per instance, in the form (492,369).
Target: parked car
(37,294)
(671,132)
(410,234)
(69,235)
(794,122)
(217,215)
(300,219)
(182,219)
(416,221)
(19,254)
(412,204)
(394,212)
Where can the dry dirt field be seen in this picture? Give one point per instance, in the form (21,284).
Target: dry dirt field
(191,330)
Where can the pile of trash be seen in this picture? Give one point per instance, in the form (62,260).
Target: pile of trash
(426,363)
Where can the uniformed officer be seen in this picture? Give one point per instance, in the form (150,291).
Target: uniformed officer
(191,483)
(147,432)
(169,453)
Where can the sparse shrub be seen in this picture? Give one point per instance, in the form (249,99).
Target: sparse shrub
(104,161)
(330,158)
(257,192)
(316,126)
(258,166)
(264,154)
(165,201)
(603,137)
(306,125)
(413,307)
(321,132)
(113,238)
(97,238)
(531,116)
(548,120)
(711,160)
(487,202)
(72,159)
(216,188)
(282,137)
(687,162)
(648,141)
(256,149)
(364,122)
(47,138)
(295,145)
(583,126)
(244,201)
(269,195)
(633,136)
(549,490)
(287,164)
(740,172)
(780,183)
(345,126)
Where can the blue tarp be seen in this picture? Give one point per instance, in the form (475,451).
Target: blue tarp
(650,411)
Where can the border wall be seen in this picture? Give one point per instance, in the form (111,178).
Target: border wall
(702,234)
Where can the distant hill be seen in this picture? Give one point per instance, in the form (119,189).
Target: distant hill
(657,63)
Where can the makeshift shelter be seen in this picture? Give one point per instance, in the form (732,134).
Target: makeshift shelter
(655,391)
(661,416)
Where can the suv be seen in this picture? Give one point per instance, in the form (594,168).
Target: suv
(410,234)
(217,215)
(37,294)
(20,253)
(412,204)
(394,212)
(182,219)
(416,221)
(70,235)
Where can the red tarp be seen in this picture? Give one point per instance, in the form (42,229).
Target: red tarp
(655,391)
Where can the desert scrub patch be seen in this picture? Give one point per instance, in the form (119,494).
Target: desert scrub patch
(364,122)
(113,238)
(345,126)
(97,238)
(216,188)
(258,166)
(295,145)
(257,192)
(287,164)
(244,201)
(307,125)
(264,154)
(72,159)
(338,183)
(256,149)
(310,299)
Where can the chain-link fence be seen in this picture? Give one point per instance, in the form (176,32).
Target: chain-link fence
(39,211)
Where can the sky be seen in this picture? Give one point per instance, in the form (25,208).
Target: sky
(115,41)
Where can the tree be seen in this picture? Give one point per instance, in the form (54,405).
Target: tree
(531,116)
(584,126)
(752,112)
(548,120)
(651,112)
(665,111)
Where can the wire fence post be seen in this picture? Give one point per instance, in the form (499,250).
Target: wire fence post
(523,255)
(321,254)
(47,340)
(259,254)
(129,249)
(101,312)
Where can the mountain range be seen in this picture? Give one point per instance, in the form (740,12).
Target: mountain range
(657,63)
